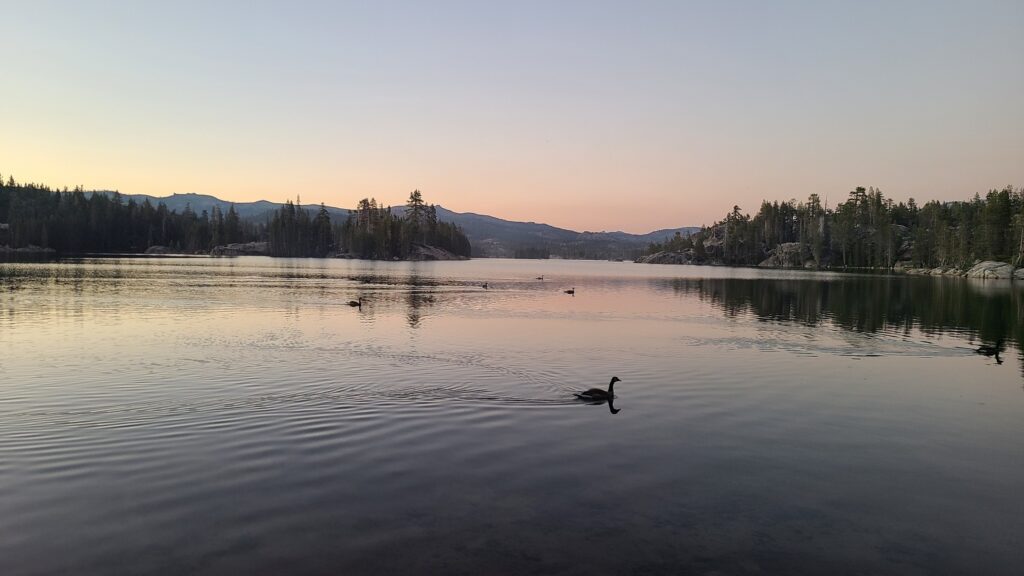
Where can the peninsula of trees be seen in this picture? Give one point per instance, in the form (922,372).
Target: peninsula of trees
(866,231)
(75,222)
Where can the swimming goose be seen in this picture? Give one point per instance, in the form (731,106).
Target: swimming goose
(539,278)
(597,393)
(571,291)
(354,303)
(992,350)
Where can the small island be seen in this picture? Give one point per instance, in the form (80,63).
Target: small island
(378,233)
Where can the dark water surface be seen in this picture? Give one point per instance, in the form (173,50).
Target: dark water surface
(235,416)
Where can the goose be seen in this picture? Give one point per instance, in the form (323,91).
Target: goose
(484,285)
(571,291)
(992,351)
(598,394)
(539,278)
(355,303)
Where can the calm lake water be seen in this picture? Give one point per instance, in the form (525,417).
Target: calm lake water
(236,416)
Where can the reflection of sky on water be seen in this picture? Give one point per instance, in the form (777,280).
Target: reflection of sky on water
(847,421)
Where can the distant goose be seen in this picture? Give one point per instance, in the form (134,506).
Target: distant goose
(539,278)
(356,303)
(598,394)
(571,291)
(484,285)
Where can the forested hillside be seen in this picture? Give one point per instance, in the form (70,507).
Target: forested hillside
(76,221)
(866,230)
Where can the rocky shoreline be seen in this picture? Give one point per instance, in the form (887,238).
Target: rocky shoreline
(789,257)
(422,252)
(419,252)
(242,249)
(667,257)
(30,249)
(988,269)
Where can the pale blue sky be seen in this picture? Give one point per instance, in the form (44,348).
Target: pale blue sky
(590,115)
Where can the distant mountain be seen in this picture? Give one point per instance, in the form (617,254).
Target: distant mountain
(258,210)
(489,236)
(656,236)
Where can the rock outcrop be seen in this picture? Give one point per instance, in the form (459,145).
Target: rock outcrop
(939,271)
(246,249)
(904,243)
(786,255)
(987,270)
(667,257)
(423,252)
(991,269)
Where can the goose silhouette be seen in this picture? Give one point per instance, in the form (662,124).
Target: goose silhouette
(571,291)
(356,303)
(992,350)
(599,394)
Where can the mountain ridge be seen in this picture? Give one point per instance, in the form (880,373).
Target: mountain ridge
(490,236)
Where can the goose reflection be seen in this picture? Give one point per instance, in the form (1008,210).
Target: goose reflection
(611,406)
(610,402)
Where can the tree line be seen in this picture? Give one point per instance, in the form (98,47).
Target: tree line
(377,232)
(371,231)
(76,221)
(866,230)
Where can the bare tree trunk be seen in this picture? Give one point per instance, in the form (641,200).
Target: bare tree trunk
(1020,249)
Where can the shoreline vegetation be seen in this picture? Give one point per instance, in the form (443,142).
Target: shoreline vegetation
(36,220)
(978,238)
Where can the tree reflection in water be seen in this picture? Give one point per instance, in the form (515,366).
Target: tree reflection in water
(989,314)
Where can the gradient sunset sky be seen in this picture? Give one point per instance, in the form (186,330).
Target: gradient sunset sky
(588,115)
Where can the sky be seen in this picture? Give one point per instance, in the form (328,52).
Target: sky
(588,115)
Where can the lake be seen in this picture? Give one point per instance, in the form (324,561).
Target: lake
(237,416)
